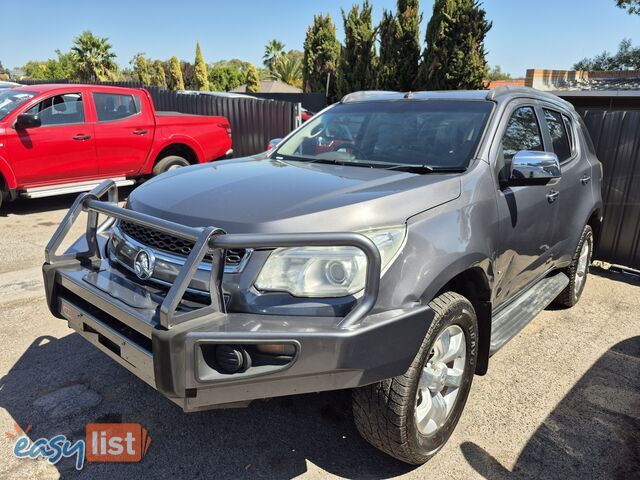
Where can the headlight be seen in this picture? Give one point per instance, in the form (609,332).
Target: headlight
(326,271)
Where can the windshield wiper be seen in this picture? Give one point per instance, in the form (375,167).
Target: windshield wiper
(420,169)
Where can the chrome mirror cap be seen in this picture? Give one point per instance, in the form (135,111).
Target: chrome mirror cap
(530,167)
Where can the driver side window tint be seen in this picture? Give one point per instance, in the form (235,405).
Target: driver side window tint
(522,133)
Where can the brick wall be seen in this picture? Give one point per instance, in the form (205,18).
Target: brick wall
(558,79)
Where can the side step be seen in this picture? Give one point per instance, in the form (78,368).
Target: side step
(509,321)
(77,187)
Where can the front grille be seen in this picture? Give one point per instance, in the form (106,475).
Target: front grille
(172,244)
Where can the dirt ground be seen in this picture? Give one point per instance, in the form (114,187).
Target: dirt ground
(561,400)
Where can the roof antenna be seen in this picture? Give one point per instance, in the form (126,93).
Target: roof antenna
(408,95)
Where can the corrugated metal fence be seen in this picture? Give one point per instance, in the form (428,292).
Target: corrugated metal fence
(616,136)
(253,121)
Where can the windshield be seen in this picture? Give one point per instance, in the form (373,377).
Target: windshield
(11,99)
(436,134)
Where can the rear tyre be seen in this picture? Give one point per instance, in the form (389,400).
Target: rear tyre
(172,162)
(578,270)
(411,416)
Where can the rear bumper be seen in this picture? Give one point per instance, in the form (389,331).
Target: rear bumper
(178,344)
(173,361)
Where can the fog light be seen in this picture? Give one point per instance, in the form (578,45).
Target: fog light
(231,359)
(276,348)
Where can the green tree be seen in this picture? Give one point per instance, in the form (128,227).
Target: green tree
(454,57)
(188,75)
(3,71)
(253,80)
(272,51)
(158,77)
(631,6)
(321,56)
(496,73)
(141,69)
(201,74)
(400,47)
(388,31)
(93,58)
(223,78)
(175,80)
(626,58)
(358,60)
(288,69)
(61,68)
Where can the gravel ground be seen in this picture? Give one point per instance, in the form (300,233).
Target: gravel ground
(561,400)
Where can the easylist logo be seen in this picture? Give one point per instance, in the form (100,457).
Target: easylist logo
(116,442)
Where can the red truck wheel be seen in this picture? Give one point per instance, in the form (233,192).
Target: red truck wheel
(170,163)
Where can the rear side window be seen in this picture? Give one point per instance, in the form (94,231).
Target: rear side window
(67,109)
(522,133)
(558,133)
(569,126)
(111,106)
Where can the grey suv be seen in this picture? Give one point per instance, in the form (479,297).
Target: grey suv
(390,245)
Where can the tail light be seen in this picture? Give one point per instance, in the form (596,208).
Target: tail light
(226,127)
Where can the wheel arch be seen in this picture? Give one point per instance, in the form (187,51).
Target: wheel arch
(180,149)
(7,178)
(595,222)
(474,284)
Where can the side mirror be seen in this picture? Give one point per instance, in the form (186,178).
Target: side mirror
(530,167)
(273,143)
(27,120)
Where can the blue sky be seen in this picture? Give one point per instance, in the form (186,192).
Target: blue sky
(525,34)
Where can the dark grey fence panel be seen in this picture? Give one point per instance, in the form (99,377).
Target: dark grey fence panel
(311,101)
(253,121)
(616,136)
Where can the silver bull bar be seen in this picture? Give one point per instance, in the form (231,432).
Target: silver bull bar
(207,240)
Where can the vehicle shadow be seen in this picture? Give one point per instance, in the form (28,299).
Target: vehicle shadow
(60,385)
(594,432)
(615,274)
(27,206)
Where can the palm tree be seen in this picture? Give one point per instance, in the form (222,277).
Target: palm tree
(272,51)
(288,69)
(93,57)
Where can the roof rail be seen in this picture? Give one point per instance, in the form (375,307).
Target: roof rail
(364,95)
(525,91)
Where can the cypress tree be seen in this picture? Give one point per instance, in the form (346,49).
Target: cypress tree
(253,80)
(409,18)
(175,74)
(454,57)
(158,77)
(358,60)
(202,76)
(141,69)
(388,64)
(400,47)
(321,56)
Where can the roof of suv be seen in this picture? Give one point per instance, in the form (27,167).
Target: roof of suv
(497,94)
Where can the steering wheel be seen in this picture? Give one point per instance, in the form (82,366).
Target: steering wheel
(345,146)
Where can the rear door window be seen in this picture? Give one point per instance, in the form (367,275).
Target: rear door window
(111,106)
(559,136)
(67,109)
(522,133)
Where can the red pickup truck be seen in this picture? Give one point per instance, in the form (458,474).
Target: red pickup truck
(57,139)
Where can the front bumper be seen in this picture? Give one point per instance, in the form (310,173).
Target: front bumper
(171,343)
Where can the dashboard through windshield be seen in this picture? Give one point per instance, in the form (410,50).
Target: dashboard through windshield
(441,134)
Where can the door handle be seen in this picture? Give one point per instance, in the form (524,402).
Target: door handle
(585,179)
(553,195)
(82,137)
(140,132)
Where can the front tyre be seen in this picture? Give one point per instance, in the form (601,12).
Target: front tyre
(578,270)
(411,416)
